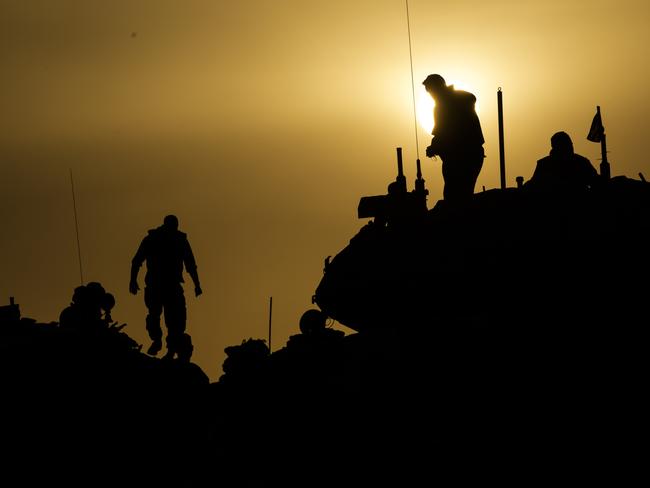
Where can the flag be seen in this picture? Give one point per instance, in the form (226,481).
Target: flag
(597,131)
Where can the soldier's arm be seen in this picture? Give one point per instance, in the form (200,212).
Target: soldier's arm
(434,148)
(136,262)
(190,266)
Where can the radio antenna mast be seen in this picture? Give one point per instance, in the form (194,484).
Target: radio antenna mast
(270,320)
(76,226)
(415,118)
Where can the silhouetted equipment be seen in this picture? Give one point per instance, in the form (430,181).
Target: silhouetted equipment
(520,181)
(502,157)
(426,272)
(88,394)
(244,361)
(597,134)
(605,169)
(419,181)
(326,263)
(11,312)
(398,202)
(642,177)
(401,179)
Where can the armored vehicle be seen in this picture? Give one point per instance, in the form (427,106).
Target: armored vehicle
(504,258)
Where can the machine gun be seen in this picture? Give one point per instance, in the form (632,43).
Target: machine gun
(398,203)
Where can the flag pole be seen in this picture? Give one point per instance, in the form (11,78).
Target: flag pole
(502,157)
(604,164)
(597,134)
(605,171)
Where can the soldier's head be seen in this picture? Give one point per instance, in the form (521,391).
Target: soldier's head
(80,295)
(434,84)
(171,222)
(561,144)
(95,292)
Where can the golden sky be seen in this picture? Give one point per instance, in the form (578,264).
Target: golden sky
(261,123)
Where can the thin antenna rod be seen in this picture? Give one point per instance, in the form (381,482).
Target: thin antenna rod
(415,118)
(270,320)
(502,157)
(76,226)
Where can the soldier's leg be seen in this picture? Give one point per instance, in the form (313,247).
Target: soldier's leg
(474,163)
(154,301)
(460,171)
(451,173)
(175,318)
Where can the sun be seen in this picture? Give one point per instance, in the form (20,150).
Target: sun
(424,105)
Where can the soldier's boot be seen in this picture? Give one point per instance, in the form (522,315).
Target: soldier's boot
(172,346)
(185,348)
(155,332)
(155,347)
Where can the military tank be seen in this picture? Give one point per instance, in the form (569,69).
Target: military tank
(504,258)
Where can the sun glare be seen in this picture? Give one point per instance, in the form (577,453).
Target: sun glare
(424,105)
(424,110)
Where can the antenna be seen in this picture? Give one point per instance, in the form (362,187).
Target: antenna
(415,118)
(270,318)
(401,179)
(76,226)
(502,157)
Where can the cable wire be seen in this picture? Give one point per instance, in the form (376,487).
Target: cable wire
(76,226)
(415,118)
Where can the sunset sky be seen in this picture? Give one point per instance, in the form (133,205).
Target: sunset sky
(260,124)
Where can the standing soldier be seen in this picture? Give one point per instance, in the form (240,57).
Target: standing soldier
(166,250)
(457,138)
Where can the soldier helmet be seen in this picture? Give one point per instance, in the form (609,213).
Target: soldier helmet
(312,321)
(434,81)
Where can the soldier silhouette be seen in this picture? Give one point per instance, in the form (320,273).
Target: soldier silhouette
(90,308)
(457,138)
(166,250)
(563,169)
